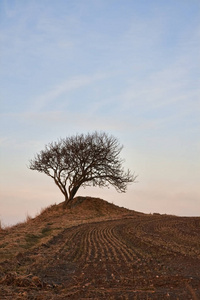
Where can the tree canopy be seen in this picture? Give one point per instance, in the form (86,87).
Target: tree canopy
(83,160)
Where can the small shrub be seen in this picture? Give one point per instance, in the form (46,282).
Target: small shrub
(28,218)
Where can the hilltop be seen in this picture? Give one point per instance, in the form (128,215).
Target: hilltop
(54,219)
(97,250)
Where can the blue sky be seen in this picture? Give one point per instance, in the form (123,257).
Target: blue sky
(130,68)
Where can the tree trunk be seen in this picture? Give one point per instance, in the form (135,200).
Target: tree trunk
(66,202)
(69,200)
(73,192)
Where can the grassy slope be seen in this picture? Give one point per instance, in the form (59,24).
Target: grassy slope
(54,219)
(161,253)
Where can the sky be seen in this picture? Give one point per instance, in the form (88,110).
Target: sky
(129,68)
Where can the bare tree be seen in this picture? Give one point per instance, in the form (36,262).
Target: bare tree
(83,160)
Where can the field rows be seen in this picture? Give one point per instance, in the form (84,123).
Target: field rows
(125,257)
(132,258)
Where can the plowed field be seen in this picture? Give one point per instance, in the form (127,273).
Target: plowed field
(143,257)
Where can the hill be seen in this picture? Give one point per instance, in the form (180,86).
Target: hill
(96,250)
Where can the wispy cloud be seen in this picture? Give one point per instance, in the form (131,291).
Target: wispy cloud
(78,82)
(170,86)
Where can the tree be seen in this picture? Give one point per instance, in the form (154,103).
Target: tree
(83,160)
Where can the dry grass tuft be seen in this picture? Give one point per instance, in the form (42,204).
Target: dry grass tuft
(14,279)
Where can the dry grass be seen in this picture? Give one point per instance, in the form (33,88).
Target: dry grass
(52,220)
(96,250)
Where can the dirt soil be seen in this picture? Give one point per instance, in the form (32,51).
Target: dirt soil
(97,250)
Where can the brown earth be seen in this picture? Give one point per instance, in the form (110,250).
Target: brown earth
(96,250)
